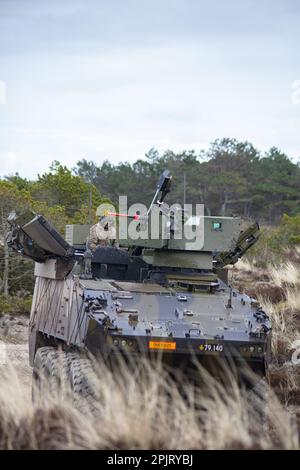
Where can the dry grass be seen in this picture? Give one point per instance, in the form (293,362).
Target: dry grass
(146,409)
(149,413)
(255,282)
(287,276)
(280,298)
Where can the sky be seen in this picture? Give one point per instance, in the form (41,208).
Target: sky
(110,79)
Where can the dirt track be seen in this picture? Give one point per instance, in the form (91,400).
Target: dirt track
(14,348)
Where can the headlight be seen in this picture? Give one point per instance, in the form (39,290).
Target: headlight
(251,349)
(122,344)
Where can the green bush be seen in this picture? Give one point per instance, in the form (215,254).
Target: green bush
(276,244)
(15,305)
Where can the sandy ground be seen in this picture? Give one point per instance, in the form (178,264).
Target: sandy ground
(14,348)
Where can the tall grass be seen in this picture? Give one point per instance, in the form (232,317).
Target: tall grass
(279,296)
(147,409)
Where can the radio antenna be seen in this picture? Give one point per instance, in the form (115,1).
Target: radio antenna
(163,187)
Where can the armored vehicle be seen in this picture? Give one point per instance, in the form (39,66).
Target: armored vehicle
(160,292)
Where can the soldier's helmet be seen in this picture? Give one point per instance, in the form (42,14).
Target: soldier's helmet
(104,210)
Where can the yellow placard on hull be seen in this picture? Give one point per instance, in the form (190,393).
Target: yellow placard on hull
(169,345)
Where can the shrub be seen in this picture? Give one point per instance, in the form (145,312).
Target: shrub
(15,305)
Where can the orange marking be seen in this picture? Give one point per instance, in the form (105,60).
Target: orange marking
(162,345)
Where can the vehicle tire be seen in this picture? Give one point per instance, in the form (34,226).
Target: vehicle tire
(83,380)
(258,398)
(57,372)
(39,373)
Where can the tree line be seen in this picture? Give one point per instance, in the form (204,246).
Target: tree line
(61,196)
(229,178)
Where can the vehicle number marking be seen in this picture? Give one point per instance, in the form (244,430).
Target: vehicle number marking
(211,347)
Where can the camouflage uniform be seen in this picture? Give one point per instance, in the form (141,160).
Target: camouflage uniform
(99,236)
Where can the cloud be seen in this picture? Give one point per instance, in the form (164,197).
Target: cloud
(2,92)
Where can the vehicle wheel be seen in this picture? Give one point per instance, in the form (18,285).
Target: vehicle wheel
(258,398)
(39,373)
(83,381)
(57,372)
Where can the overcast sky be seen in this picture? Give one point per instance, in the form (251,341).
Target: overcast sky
(109,79)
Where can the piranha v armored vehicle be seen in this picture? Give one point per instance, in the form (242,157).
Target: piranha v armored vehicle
(157,293)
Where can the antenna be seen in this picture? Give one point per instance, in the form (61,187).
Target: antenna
(229,303)
(163,187)
(90,203)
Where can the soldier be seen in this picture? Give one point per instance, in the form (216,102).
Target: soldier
(103,233)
